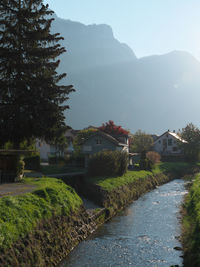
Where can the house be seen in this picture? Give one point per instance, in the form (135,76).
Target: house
(167,144)
(102,141)
(46,150)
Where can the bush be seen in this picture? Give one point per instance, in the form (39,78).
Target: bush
(143,164)
(123,161)
(32,163)
(153,156)
(148,160)
(19,169)
(111,163)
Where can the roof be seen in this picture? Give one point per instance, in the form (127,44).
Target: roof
(175,135)
(108,137)
(154,136)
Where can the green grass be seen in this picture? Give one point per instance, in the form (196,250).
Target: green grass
(174,167)
(110,183)
(19,214)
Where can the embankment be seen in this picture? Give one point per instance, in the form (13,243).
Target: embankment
(119,197)
(191,225)
(117,192)
(41,228)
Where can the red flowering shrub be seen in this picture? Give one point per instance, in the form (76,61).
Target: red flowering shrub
(112,129)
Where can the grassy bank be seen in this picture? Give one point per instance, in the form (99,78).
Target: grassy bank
(176,169)
(191,225)
(114,193)
(20,214)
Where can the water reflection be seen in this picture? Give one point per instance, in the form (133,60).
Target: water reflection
(141,236)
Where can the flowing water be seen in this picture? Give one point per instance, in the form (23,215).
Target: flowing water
(143,235)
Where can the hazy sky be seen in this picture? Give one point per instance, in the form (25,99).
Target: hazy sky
(147,26)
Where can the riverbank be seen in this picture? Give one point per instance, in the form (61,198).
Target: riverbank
(191,225)
(40,228)
(145,233)
(114,193)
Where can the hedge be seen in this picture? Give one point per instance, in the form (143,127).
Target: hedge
(112,163)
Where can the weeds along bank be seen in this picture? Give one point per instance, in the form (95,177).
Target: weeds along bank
(40,228)
(191,225)
(114,193)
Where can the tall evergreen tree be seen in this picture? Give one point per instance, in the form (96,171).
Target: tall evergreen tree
(32,98)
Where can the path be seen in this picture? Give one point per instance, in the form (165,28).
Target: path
(14,189)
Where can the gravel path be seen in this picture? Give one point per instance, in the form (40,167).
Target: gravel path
(15,189)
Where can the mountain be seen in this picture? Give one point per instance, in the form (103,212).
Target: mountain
(153,93)
(90,46)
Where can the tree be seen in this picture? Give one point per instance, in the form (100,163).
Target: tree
(32,98)
(112,129)
(141,142)
(191,148)
(81,137)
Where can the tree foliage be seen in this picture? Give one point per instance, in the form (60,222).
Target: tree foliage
(191,134)
(112,129)
(81,137)
(141,142)
(32,98)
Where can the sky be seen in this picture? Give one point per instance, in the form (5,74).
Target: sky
(149,27)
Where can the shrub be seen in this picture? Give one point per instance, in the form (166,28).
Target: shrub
(123,161)
(148,160)
(153,156)
(111,163)
(19,169)
(143,164)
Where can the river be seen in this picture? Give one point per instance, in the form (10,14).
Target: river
(142,235)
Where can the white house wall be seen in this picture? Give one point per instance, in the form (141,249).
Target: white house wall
(160,147)
(44,149)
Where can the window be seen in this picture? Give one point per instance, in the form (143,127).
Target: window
(159,141)
(169,142)
(175,148)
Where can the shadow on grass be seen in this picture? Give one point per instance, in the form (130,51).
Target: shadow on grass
(177,168)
